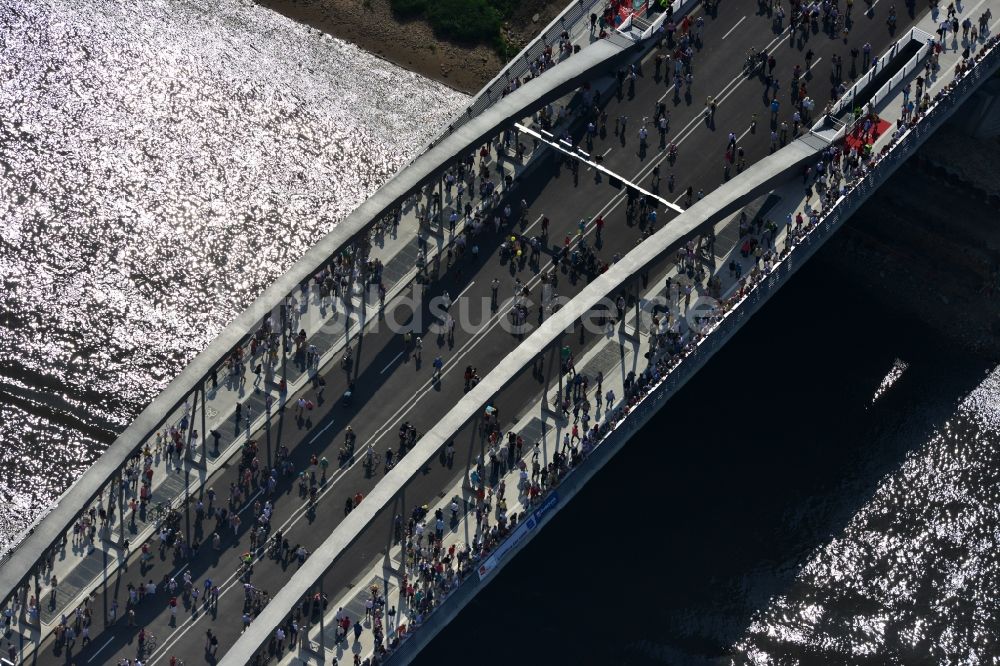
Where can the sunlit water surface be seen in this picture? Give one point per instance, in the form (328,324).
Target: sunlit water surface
(161,161)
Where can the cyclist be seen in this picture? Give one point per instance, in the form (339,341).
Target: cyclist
(438,365)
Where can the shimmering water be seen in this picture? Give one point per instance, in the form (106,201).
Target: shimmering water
(161,161)
(825,491)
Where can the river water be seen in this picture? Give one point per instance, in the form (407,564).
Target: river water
(824,491)
(161,161)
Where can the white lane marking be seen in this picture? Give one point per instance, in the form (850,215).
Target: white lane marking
(225,587)
(324,429)
(100,649)
(245,505)
(489,326)
(388,365)
(461,293)
(734,27)
(423,390)
(603,155)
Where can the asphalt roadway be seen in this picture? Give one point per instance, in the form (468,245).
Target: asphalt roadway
(391,387)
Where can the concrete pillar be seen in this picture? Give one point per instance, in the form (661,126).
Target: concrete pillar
(111,506)
(322,623)
(204,427)
(637,330)
(441,202)
(284,338)
(121,507)
(553,364)
(189,445)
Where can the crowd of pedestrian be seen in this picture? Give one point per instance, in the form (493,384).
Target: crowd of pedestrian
(433,570)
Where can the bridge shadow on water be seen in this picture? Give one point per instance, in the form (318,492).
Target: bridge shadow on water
(712,510)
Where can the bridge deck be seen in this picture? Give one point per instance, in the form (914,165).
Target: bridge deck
(613,357)
(381,373)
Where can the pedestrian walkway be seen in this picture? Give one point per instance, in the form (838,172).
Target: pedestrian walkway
(232,410)
(241,402)
(751,251)
(553,441)
(464,549)
(399,599)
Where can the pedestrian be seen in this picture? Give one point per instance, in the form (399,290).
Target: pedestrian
(279,637)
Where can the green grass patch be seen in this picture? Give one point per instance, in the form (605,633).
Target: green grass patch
(409,7)
(468,21)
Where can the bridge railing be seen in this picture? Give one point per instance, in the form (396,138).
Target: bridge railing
(186,395)
(520,64)
(911,65)
(733,312)
(847,100)
(890,86)
(622,276)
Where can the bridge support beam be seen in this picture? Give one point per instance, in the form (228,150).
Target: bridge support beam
(322,622)
(553,411)
(204,429)
(191,445)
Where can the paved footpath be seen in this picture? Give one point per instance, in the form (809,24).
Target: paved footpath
(402,385)
(614,357)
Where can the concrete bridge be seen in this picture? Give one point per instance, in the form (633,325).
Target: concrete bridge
(722,202)
(456,417)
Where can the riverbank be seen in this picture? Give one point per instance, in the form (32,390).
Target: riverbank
(372,25)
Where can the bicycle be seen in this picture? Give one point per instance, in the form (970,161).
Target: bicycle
(148,646)
(160,512)
(372,462)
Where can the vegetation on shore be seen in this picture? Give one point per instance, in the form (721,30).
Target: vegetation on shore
(463,21)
